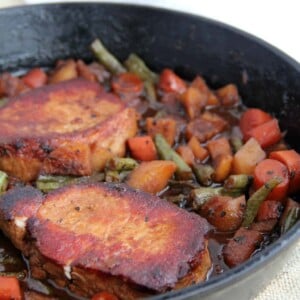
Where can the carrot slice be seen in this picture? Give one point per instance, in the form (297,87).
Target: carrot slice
(268,169)
(169,82)
(222,165)
(199,152)
(292,160)
(152,176)
(10,288)
(187,154)
(35,78)
(142,148)
(252,118)
(127,83)
(267,134)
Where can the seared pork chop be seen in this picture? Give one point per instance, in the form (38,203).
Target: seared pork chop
(93,237)
(71,127)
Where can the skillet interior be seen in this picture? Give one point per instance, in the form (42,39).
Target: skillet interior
(39,35)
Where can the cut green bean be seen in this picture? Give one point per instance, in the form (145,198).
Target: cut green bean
(150,91)
(257,198)
(236,143)
(47,183)
(241,181)
(3,181)
(201,195)
(122,164)
(204,174)
(19,275)
(137,66)
(167,153)
(292,217)
(106,58)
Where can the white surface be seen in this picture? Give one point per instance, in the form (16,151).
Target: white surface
(277,22)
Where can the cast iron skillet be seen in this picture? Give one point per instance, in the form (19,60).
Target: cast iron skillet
(267,78)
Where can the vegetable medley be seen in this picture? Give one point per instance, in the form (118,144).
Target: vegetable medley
(196,147)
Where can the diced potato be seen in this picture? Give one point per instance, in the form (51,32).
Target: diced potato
(164,126)
(249,155)
(224,212)
(222,165)
(218,147)
(199,152)
(65,71)
(152,176)
(228,95)
(186,154)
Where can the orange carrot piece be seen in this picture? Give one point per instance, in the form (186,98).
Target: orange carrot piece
(267,134)
(218,147)
(252,118)
(270,168)
(247,157)
(127,83)
(142,148)
(222,165)
(10,288)
(186,154)
(165,126)
(169,82)
(228,95)
(292,161)
(199,152)
(152,176)
(35,78)
(193,101)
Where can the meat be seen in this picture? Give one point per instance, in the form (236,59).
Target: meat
(93,237)
(72,127)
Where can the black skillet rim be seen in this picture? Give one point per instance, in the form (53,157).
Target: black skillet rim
(269,253)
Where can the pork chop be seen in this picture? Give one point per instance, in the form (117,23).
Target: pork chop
(94,237)
(72,127)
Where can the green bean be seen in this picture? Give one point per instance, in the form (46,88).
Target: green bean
(241,181)
(167,153)
(47,183)
(292,217)
(257,198)
(19,275)
(201,195)
(150,91)
(122,164)
(137,66)
(236,143)
(106,58)
(203,174)
(3,181)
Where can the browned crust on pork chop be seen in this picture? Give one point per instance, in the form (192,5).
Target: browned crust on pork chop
(71,127)
(91,237)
